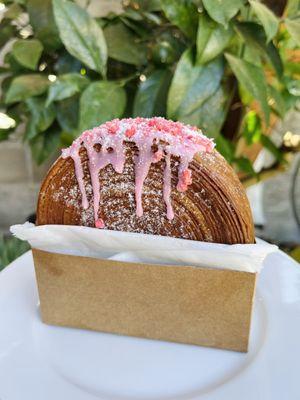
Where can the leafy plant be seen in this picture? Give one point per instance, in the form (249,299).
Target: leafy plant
(227,67)
(10,249)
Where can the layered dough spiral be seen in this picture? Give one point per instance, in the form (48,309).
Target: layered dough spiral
(213,207)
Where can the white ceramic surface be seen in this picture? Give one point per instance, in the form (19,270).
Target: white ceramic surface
(40,362)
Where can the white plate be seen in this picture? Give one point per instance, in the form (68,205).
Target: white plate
(40,362)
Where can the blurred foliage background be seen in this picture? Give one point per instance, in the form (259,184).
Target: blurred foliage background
(231,68)
(10,249)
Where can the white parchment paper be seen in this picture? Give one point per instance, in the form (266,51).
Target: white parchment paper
(137,247)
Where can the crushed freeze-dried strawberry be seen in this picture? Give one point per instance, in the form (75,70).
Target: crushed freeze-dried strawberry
(130,132)
(185,179)
(99,223)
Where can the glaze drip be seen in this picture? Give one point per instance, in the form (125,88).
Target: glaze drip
(167,187)
(170,138)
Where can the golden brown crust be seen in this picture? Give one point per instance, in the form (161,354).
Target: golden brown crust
(214,208)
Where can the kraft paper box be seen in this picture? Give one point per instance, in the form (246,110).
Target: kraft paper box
(209,306)
(184,304)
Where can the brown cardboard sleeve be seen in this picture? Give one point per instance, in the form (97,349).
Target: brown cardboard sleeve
(202,306)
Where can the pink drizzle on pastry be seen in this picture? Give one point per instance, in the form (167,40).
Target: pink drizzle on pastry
(171,139)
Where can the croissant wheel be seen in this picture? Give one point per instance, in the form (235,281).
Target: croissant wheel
(149,176)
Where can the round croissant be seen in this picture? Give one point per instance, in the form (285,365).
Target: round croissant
(199,200)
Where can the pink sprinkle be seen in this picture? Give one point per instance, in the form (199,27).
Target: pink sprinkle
(177,131)
(99,223)
(113,126)
(130,132)
(185,179)
(152,122)
(86,135)
(138,120)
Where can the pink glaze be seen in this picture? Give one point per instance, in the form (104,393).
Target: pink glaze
(167,187)
(99,223)
(178,140)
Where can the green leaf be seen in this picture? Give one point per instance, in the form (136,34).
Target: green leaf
(212,39)
(81,35)
(13,11)
(205,28)
(244,165)
(21,2)
(210,116)
(45,144)
(225,147)
(293,27)
(7,30)
(100,102)
(278,100)
(165,52)
(292,8)
(252,129)
(252,78)
(149,5)
(43,24)
(269,145)
(252,55)
(27,52)
(292,68)
(153,18)
(68,113)
(66,86)
(14,67)
(222,11)
(122,45)
(268,19)
(41,118)
(150,99)
(192,85)
(254,36)
(137,28)
(25,86)
(290,101)
(132,14)
(31,130)
(182,13)
(67,63)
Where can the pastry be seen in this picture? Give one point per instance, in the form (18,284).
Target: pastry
(149,176)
